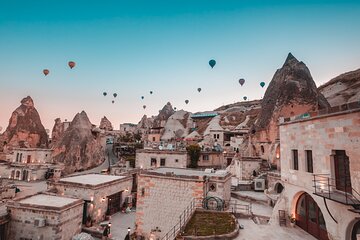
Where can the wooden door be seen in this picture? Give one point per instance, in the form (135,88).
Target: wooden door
(342,171)
(312,219)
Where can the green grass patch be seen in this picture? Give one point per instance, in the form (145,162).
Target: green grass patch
(210,223)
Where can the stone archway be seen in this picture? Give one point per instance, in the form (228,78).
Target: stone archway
(279,187)
(355,233)
(309,217)
(17,175)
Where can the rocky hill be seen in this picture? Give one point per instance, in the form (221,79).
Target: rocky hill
(105,124)
(79,148)
(25,128)
(342,89)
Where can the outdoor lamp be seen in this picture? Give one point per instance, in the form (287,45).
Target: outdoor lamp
(129,229)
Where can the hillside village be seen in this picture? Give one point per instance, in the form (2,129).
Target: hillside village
(288,162)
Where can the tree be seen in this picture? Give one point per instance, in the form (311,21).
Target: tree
(194,153)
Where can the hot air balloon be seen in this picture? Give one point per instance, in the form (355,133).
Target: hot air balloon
(104,93)
(245,97)
(113,101)
(144,106)
(142,97)
(115,95)
(71,64)
(186,101)
(46,71)
(262,84)
(241,81)
(174,109)
(199,89)
(151,92)
(212,63)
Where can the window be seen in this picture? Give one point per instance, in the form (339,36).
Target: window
(262,149)
(215,136)
(295,159)
(212,187)
(309,161)
(153,139)
(206,157)
(153,162)
(176,160)
(162,161)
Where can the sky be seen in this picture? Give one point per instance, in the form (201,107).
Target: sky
(134,47)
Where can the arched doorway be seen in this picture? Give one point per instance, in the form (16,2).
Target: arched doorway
(310,218)
(278,188)
(355,234)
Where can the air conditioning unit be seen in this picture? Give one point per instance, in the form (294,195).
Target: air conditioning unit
(259,184)
(39,222)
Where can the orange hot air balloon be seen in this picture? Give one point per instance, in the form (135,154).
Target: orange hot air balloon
(71,64)
(46,71)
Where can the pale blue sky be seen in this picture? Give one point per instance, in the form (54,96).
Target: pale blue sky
(132,47)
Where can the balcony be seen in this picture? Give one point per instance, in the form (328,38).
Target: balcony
(338,190)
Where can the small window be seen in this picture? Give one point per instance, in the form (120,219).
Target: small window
(142,192)
(162,161)
(295,159)
(309,161)
(153,162)
(212,187)
(215,136)
(176,160)
(153,139)
(206,157)
(262,149)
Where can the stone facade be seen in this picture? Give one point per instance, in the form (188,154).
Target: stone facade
(164,193)
(95,194)
(62,219)
(323,135)
(211,159)
(243,167)
(128,128)
(31,155)
(177,159)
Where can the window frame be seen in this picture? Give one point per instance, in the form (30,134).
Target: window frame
(295,159)
(309,169)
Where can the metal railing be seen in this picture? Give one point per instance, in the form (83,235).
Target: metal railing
(183,219)
(338,189)
(238,208)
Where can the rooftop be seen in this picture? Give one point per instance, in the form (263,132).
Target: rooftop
(45,200)
(189,172)
(91,179)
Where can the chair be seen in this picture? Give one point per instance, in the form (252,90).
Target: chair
(282,217)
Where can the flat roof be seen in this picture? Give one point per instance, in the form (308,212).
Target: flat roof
(44,200)
(189,172)
(91,179)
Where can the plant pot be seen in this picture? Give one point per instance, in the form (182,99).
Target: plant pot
(292,224)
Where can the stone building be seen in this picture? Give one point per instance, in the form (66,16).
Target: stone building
(103,194)
(320,170)
(128,128)
(27,164)
(44,216)
(149,158)
(164,193)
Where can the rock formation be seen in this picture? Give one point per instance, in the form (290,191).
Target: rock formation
(105,124)
(25,128)
(342,89)
(57,131)
(292,91)
(79,147)
(163,116)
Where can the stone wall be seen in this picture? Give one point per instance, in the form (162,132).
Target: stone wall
(322,135)
(59,224)
(164,199)
(215,159)
(176,159)
(98,195)
(33,155)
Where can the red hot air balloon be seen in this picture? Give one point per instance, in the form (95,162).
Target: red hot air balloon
(71,64)
(46,71)
(241,81)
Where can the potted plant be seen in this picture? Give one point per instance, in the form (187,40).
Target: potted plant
(292,220)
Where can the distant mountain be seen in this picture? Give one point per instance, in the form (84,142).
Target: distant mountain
(342,89)
(25,128)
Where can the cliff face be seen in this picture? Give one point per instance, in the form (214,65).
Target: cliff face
(105,124)
(342,89)
(25,128)
(57,131)
(79,147)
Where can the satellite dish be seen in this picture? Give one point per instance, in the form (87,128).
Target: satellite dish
(160,147)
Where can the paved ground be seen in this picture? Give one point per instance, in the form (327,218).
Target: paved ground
(253,231)
(258,196)
(257,208)
(120,223)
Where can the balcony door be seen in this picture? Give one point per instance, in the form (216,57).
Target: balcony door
(342,171)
